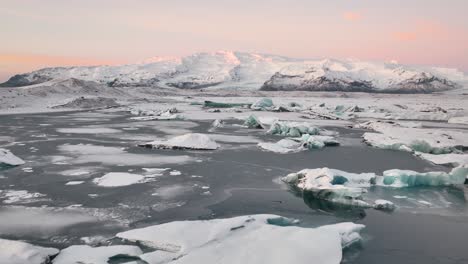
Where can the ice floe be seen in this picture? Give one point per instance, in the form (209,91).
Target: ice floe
(18,252)
(9,159)
(459,120)
(305,142)
(20,196)
(96,255)
(86,153)
(453,159)
(118,179)
(426,140)
(384,205)
(218,240)
(88,130)
(194,141)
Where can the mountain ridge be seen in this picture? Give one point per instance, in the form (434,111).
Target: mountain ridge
(254,71)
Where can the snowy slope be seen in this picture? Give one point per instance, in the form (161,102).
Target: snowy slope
(226,69)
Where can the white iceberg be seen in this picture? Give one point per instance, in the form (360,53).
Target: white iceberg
(17,252)
(118,179)
(426,140)
(293,129)
(9,159)
(95,255)
(244,239)
(333,185)
(384,205)
(408,178)
(194,141)
(459,120)
(289,145)
(453,159)
(283,146)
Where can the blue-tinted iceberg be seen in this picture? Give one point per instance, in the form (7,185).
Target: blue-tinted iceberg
(408,178)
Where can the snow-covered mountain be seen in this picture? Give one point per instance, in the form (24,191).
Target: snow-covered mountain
(225,69)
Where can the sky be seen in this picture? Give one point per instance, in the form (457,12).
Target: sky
(45,33)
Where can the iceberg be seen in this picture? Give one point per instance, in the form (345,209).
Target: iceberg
(9,159)
(262,104)
(408,178)
(18,252)
(193,141)
(307,141)
(427,140)
(292,129)
(253,122)
(453,159)
(384,205)
(118,179)
(333,185)
(97,255)
(244,239)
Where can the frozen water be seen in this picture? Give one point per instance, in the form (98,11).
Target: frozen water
(408,178)
(88,130)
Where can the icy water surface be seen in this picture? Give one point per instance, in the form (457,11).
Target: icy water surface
(60,203)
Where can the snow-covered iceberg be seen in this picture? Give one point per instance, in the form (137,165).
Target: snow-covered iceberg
(146,115)
(194,141)
(305,142)
(97,255)
(18,252)
(394,136)
(244,239)
(9,159)
(333,185)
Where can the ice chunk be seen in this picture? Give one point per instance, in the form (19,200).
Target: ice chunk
(188,141)
(20,196)
(395,136)
(453,159)
(307,141)
(459,120)
(217,123)
(384,205)
(88,130)
(263,104)
(333,185)
(9,159)
(96,255)
(117,179)
(292,129)
(219,240)
(74,183)
(253,122)
(283,146)
(17,252)
(408,178)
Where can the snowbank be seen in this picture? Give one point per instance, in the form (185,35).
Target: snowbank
(244,239)
(188,141)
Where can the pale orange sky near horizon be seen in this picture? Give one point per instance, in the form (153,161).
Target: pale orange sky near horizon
(37,34)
